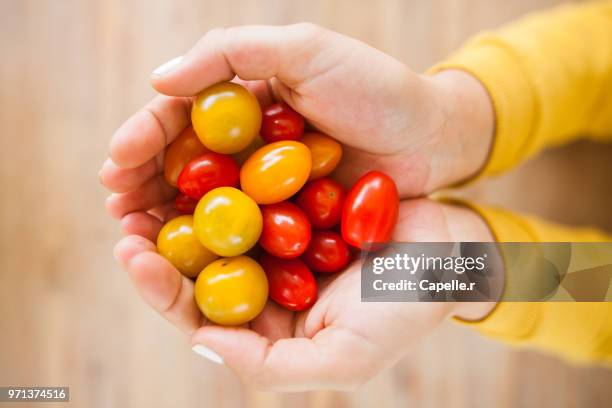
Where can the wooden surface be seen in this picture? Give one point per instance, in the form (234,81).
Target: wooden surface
(73,70)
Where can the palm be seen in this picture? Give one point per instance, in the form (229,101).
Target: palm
(375,133)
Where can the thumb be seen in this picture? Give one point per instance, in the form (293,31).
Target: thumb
(251,52)
(334,358)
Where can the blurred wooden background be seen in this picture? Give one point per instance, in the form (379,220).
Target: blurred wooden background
(73,70)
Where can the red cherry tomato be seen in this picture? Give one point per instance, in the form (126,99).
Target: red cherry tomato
(286,230)
(327,252)
(207,172)
(322,202)
(370,210)
(290,282)
(184,204)
(280,122)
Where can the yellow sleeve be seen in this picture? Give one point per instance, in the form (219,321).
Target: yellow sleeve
(581,332)
(549,77)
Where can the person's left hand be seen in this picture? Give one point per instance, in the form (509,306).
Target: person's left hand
(340,342)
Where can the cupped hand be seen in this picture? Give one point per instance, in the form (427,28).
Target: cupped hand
(340,342)
(425,132)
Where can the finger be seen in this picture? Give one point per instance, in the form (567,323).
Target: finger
(148,131)
(122,180)
(161,286)
(328,360)
(152,193)
(142,224)
(251,52)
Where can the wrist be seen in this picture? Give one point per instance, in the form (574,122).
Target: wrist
(466,225)
(466,133)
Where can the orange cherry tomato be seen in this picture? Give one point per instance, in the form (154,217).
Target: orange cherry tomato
(178,243)
(326,153)
(184,148)
(226,117)
(276,171)
(232,291)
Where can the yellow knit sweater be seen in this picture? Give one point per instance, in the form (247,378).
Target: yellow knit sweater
(549,76)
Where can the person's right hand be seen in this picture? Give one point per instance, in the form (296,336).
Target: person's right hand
(425,132)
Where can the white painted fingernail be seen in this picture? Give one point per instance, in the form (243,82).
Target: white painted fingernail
(207,353)
(167,67)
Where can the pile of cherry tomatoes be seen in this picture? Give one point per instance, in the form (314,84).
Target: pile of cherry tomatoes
(286,212)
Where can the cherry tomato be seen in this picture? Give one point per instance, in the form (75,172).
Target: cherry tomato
(286,230)
(226,117)
(208,171)
(243,155)
(232,291)
(322,201)
(327,252)
(184,148)
(227,221)
(370,210)
(326,154)
(292,285)
(184,204)
(281,122)
(178,243)
(275,172)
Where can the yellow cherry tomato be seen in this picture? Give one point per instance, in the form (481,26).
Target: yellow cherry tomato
(227,221)
(232,291)
(326,154)
(276,171)
(243,155)
(185,147)
(178,243)
(226,117)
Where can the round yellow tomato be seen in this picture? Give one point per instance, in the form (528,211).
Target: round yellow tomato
(326,154)
(185,147)
(178,243)
(232,291)
(227,221)
(226,117)
(276,171)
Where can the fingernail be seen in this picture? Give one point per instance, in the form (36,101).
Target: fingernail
(167,67)
(207,353)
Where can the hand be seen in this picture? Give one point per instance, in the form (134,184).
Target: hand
(340,342)
(425,132)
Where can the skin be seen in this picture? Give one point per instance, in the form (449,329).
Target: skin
(424,132)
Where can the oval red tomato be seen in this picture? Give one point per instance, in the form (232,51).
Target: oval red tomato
(370,210)
(322,202)
(184,204)
(291,284)
(207,172)
(286,230)
(281,122)
(327,252)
